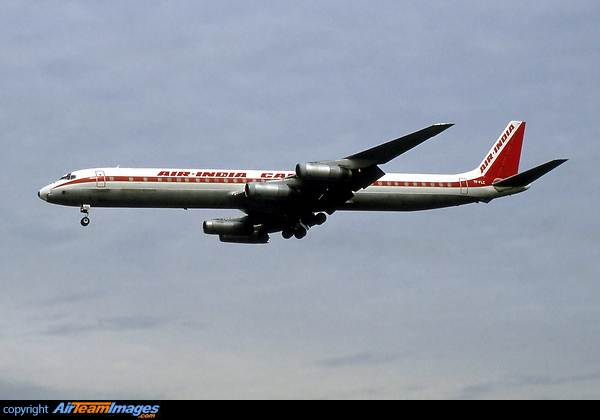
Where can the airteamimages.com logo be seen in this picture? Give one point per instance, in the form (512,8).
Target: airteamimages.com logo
(91,408)
(145,411)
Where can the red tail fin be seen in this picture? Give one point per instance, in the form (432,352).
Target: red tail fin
(503,159)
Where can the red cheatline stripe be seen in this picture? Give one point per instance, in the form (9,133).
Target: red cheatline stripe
(479,182)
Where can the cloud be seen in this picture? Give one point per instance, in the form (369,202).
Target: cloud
(533,387)
(118,324)
(14,390)
(363,358)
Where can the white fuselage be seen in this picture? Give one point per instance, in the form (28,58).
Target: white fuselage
(175,188)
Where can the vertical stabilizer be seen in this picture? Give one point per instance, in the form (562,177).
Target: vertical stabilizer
(503,159)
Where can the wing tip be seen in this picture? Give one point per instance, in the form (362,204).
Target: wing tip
(439,127)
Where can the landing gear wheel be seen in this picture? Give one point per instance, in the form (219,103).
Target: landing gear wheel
(320,218)
(300,233)
(287,233)
(85,208)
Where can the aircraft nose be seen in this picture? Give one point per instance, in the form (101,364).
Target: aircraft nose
(43,193)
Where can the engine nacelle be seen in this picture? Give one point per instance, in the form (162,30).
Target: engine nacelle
(256,238)
(227,227)
(270,191)
(322,172)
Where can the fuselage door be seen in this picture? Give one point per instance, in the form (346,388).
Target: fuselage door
(100,179)
(464,186)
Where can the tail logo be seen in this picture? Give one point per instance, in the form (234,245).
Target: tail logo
(501,141)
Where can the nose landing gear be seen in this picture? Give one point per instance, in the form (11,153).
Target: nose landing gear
(85,209)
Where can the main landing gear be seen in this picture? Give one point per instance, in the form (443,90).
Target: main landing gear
(85,209)
(301,228)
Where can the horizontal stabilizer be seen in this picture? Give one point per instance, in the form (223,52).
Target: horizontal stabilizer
(525,178)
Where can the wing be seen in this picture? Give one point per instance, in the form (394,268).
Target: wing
(383,153)
(294,204)
(335,181)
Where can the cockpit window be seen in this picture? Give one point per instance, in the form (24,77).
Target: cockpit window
(68,177)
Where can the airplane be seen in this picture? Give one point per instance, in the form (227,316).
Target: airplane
(291,202)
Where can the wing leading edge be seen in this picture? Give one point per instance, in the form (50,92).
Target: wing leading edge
(385,152)
(365,165)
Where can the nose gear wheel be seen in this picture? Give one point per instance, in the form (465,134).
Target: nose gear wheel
(85,209)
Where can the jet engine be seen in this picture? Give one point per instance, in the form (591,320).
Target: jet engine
(270,191)
(237,230)
(322,172)
(256,238)
(233,227)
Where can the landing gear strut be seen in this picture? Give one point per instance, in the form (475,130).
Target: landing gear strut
(85,209)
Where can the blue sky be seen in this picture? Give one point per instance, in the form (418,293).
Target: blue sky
(483,301)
